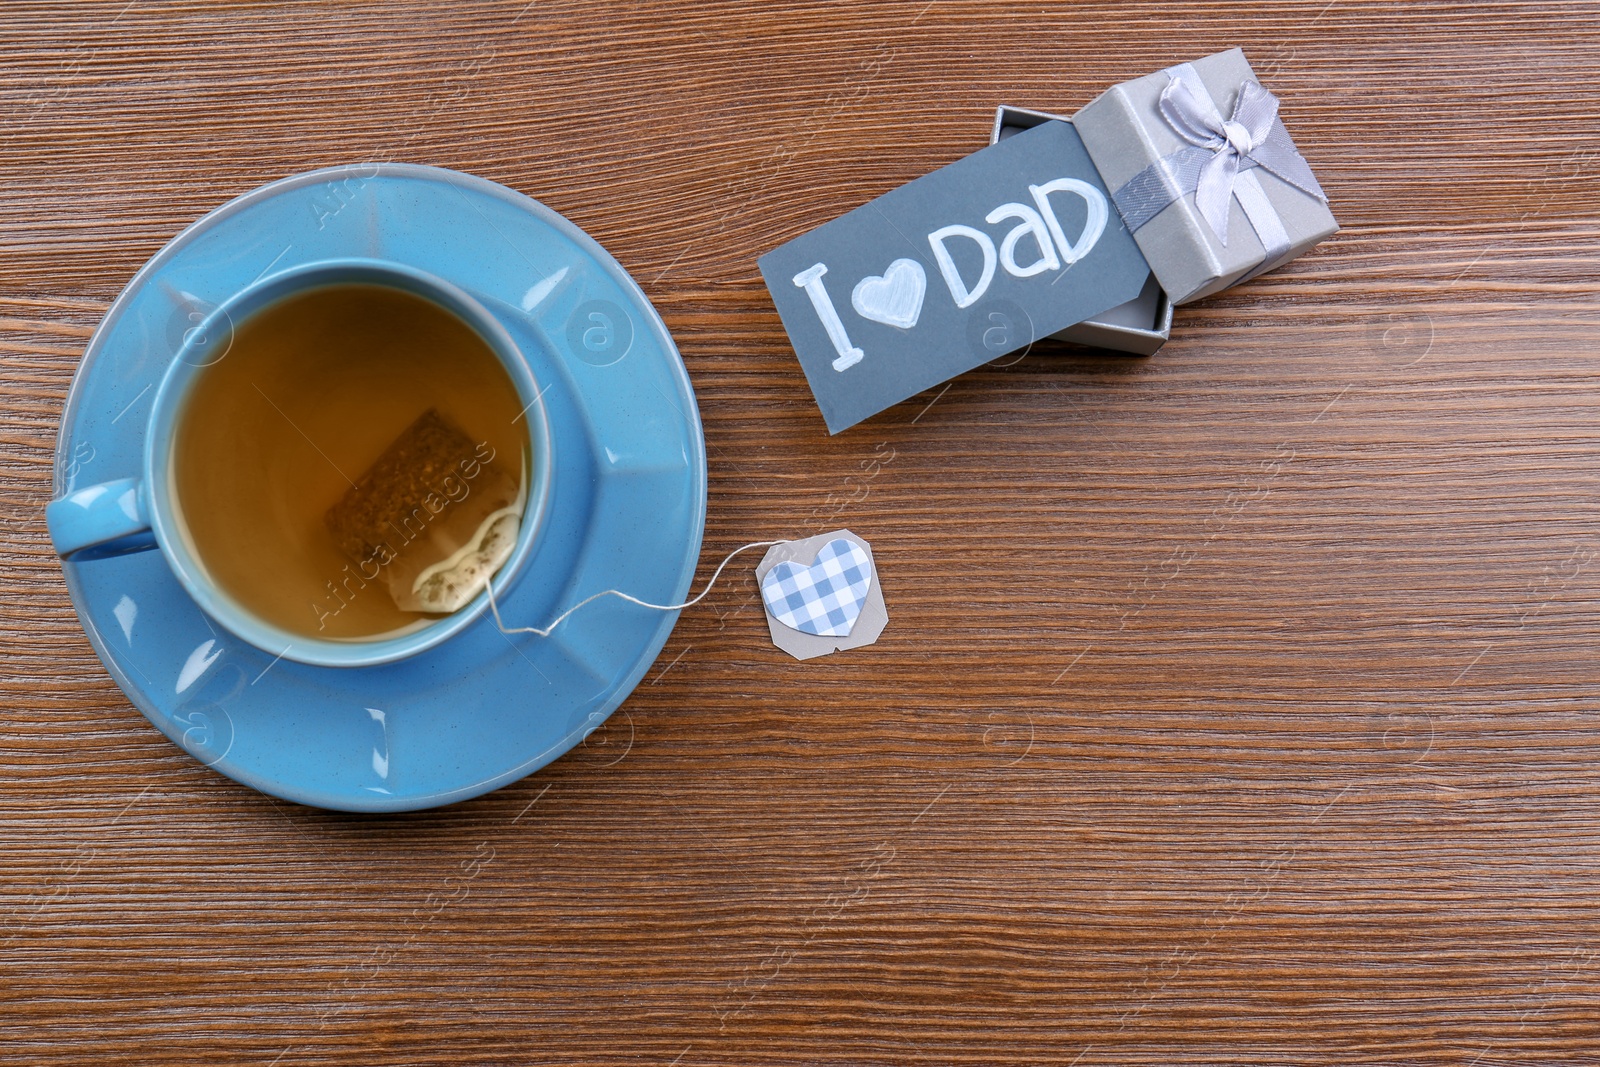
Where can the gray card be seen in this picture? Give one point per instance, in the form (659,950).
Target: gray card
(961,266)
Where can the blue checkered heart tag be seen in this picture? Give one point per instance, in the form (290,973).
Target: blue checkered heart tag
(825,598)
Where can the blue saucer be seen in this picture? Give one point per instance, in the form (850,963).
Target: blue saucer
(627,509)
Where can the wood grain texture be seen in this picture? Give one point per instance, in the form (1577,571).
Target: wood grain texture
(1238,705)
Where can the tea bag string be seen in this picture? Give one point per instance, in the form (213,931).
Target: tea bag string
(498,621)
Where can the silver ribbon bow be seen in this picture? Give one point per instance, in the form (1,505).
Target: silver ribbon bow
(1217,161)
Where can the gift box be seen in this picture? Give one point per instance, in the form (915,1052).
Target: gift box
(1143,324)
(1205,174)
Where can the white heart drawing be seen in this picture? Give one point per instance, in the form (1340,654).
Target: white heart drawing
(894,299)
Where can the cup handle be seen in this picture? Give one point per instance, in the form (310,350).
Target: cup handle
(109,519)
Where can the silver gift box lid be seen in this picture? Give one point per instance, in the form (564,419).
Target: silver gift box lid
(1125,133)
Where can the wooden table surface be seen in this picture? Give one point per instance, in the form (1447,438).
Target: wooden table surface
(1238,705)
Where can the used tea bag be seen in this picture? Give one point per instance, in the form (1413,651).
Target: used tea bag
(434,516)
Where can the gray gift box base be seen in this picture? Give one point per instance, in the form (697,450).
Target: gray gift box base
(1142,325)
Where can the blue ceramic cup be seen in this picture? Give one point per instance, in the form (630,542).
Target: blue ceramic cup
(135,514)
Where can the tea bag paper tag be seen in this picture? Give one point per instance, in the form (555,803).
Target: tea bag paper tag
(957,268)
(822,594)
